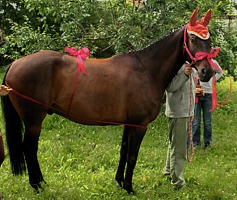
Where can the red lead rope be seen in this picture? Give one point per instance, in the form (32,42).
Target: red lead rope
(68,114)
(198,56)
(190,132)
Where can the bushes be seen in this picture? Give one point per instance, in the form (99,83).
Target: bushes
(107,27)
(225,88)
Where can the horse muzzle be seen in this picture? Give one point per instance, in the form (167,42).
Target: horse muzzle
(204,73)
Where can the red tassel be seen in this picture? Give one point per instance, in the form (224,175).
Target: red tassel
(214,98)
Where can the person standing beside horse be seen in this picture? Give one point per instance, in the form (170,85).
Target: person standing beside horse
(204,105)
(178,109)
(4,90)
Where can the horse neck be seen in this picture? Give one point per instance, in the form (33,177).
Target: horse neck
(164,58)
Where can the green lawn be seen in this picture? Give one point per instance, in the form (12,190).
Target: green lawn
(80,162)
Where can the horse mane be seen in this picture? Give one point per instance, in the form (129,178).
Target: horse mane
(159,41)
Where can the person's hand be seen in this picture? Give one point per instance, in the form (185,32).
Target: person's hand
(188,69)
(199,91)
(4,90)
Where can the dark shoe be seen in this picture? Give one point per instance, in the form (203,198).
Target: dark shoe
(207,146)
(195,144)
(177,188)
(166,175)
(166,171)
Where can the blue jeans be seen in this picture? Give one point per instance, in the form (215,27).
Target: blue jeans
(205,105)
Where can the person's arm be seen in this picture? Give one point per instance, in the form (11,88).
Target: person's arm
(180,78)
(218,73)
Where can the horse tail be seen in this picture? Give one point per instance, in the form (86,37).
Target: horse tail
(13,128)
(1,149)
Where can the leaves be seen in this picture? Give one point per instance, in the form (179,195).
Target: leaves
(108,27)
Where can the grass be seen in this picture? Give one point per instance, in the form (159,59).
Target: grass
(80,162)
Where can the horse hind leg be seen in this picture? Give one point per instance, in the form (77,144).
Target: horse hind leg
(30,145)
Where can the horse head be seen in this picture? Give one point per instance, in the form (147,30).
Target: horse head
(197,43)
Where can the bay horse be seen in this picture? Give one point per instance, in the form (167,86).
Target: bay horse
(124,89)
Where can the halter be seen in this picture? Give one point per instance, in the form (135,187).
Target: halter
(200,55)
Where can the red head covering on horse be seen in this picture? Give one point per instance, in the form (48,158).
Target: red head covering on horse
(199,27)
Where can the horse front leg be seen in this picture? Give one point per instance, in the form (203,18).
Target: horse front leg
(30,143)
(135,138)
(123,157)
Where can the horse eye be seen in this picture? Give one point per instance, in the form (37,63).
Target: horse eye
(193,38)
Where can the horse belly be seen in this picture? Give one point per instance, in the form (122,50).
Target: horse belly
(89,108)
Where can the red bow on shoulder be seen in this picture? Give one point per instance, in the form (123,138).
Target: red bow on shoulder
(83,53)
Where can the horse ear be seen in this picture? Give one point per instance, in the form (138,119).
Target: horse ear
(194,17)
(207,18)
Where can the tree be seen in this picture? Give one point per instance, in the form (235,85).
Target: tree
(106,27)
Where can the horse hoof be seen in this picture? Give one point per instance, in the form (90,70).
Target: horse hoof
(128,188)
(119,181)
(130,191)
(120,184)
(38,187)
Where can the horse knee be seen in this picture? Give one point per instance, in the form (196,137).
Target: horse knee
(131,161)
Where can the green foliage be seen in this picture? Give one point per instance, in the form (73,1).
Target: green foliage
(107,27)
(223,31)
(23,41)
(226,91)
